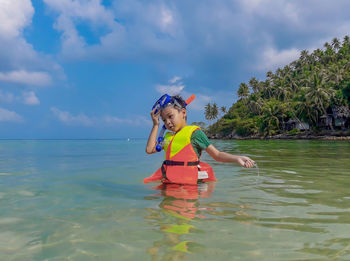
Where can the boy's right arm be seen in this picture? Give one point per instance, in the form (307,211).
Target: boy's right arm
(221,156)
(152,139)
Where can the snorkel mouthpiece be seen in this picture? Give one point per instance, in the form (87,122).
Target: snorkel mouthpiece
(159,148)
(162,103)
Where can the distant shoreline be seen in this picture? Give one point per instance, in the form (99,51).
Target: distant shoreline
(284,137)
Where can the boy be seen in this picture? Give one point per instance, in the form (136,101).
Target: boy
(183,147)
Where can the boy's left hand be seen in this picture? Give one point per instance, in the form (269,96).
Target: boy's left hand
(245,162)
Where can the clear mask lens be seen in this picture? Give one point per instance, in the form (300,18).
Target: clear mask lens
(172,103)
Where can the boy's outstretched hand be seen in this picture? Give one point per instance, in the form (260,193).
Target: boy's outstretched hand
(245,162)
(220,156)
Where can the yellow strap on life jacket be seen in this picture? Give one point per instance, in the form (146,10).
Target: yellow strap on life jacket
(178,140)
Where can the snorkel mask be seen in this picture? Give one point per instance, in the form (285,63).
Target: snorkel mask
(165,101)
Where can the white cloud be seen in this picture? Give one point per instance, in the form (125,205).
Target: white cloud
(268,8)
(19,62)
(112,119)
(25,77)
(75,12)
(175,79)
(91,10)
(134,121)
(169,89)
(84,120)
(166,18)
(30,98)
(167,22)
(69,119)
(9,116)
(146,28)
(272,58)
(250,6)
(175,87)
(14,16)
(201,99)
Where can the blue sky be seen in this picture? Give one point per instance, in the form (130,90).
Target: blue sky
(93,68)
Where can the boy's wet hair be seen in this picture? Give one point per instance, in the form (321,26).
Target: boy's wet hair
(179,100)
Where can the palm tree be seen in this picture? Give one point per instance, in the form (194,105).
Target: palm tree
(306,111)
(223,109)
(270,118)
(346,40)
(254,84)
(329,53)
(317,55)
(267,89)
(282,89)
(208,111)
(269,74)
(327,45)
(214,111)
(211,112)
(304,54)
(255,104)
(291,81)
(335,74)
(336,44)
(318,93)
(243,90)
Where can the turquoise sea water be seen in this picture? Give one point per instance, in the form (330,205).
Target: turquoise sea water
(85,200)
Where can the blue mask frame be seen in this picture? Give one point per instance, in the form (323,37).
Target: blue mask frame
(165,99)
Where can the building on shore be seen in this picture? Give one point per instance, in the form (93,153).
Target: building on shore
(296,124)
(339,118)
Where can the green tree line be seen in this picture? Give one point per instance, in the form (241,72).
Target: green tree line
(305,90)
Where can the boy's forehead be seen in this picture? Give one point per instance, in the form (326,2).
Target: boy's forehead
(168,110)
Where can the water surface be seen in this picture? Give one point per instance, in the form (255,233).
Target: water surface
(85,200)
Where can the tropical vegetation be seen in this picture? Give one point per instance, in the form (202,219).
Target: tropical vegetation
(306,90)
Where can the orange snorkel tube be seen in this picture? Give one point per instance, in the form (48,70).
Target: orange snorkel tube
(190,99)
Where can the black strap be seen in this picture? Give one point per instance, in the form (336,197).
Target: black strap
(180,163)
(173,163)
(163,171)
(176,163)
(193,163)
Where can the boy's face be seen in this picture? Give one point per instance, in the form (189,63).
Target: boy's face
(173,119)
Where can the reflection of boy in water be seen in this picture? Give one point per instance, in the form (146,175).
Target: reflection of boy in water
(183,199)
(180,202)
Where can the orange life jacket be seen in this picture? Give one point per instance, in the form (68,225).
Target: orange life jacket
(181,164)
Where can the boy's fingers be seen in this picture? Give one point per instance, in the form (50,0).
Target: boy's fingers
(249,163)
(158,112)
(155,114)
